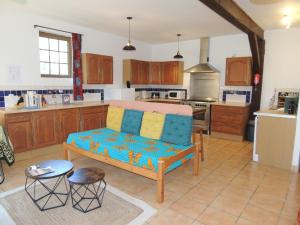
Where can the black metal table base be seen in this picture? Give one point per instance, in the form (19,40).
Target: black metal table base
(52,198)
(2,177)
(87,197)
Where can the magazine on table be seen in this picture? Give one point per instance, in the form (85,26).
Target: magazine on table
(38,171)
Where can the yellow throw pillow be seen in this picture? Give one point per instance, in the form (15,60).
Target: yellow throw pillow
(114,118)
(152,125)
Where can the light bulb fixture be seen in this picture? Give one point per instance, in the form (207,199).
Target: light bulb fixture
(178,55)
(129,46)
(286,21)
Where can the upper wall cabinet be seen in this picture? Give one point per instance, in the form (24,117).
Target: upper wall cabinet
(238,71)
(172,72)
(155,72)
(135,71)
(97,69)
(142,72)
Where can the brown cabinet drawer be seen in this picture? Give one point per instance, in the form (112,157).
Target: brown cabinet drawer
(229,109)
(229,119)
(226,118)
(229,128)
(18,117)
(94,109)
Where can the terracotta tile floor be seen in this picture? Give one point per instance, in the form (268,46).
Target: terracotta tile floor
(231,189)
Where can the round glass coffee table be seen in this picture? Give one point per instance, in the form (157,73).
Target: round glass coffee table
(50,190)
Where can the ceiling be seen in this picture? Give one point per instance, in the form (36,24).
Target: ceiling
(154,21)
(268,13)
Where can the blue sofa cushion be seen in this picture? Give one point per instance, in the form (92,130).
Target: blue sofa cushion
(132,121)
(177,129)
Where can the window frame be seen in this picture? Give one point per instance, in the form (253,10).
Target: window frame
(69,53)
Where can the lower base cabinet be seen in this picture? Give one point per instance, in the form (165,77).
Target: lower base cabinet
(68,120)
(229,122)
(44,128)
(275,139)
(20,132)
(31,130)
(91,118)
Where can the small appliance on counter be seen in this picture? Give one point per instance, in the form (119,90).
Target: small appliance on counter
(155,95)
(144,95)
(291,104)
(176,95)
(32,100)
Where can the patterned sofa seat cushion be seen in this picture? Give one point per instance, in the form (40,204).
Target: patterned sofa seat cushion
(114,118)
(132,121)
(135,150)
(177,129)
(152,125)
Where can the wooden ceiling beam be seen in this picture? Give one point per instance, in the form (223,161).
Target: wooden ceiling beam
(230,11)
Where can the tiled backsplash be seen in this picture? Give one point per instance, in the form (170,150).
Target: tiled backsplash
(162,90)
(46,91)
(237,92)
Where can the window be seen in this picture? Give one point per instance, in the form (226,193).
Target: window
(55,55)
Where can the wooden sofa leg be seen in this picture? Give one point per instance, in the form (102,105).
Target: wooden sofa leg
(67,152)
(196,160)
(201,145)
(160,182)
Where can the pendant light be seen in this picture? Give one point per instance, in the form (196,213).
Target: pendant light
(129,46)
(178,55)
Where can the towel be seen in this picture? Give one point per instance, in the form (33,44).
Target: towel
(6,148)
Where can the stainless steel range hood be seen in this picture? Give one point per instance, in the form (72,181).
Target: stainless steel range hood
(203,66)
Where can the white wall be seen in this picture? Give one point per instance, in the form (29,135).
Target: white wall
(19,48)
(220,48)
(223,47)
(282,70)
(282,64)
(190,50)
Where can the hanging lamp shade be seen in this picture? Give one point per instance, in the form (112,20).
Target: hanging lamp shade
(178,55)
(129,46)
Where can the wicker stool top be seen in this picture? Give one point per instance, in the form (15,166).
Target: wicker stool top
(87,176)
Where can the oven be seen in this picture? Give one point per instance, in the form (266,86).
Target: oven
(201,114)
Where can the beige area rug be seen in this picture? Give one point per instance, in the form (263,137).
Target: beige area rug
(118,209)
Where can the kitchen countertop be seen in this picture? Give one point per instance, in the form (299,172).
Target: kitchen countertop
(231,104)
(53,107)
(274,113)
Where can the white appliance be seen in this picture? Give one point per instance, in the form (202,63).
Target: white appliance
(144,94)
(176,94)
(235,98)
(119,94)
(32,100)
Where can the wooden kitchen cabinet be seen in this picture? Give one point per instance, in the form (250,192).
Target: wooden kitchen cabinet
(92,118)
(155,72)
(20,131)
(45,130)
(107,70)
(97,69)
(143,72)
(229,121)
(238,71)
(135,71)
(68,122)
(172,72)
